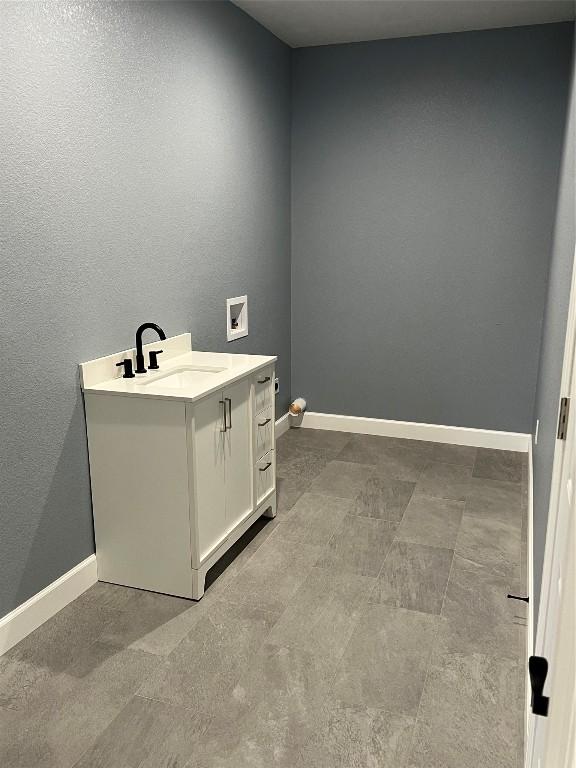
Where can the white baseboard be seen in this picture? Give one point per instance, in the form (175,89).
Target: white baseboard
(42,606)
(530,592)
(530,558)
(282,425)
(411,430)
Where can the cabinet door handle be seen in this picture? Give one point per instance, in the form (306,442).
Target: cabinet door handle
(263,423)
(229,401)
(264,380)
(263,469)
(223,427)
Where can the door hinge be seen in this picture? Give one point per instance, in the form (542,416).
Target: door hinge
(563,418)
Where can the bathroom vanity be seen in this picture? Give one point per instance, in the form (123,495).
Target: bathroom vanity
(181,461)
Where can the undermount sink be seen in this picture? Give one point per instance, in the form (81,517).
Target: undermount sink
(186,376)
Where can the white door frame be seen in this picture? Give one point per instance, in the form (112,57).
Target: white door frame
(555,488)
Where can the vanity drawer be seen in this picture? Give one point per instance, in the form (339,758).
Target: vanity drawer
(264,429)
(263,389)
(265,472)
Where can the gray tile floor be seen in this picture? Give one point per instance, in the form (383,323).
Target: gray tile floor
(366,626)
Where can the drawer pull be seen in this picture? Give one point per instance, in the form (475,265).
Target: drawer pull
(263,423)
(263,469)
(264,380)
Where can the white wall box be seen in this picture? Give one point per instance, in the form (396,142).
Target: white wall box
(236,317)
(176,481)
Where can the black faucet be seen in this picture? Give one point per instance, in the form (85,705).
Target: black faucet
(140,367)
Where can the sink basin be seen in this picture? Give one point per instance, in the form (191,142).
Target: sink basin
(187,376)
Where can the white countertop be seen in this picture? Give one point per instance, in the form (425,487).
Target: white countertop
(103,377)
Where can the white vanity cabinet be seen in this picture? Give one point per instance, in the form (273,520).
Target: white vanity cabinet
(176,482)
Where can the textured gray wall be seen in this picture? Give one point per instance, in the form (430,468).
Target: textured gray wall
(552,349)
(424,184)
(147,177)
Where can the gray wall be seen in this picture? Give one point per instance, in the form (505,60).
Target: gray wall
(552,349)
(147,177)
(424,185)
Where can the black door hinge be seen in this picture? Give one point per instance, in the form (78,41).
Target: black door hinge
(538,669)
(563,418)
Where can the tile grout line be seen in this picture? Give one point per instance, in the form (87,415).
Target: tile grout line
(392,542)
(448,581)
(429,665)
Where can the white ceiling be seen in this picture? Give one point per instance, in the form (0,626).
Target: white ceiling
(323,22)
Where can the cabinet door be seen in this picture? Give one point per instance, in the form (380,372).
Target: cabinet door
(208,477)
(238,450)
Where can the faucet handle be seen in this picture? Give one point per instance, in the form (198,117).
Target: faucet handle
(127,363)
(154,359)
